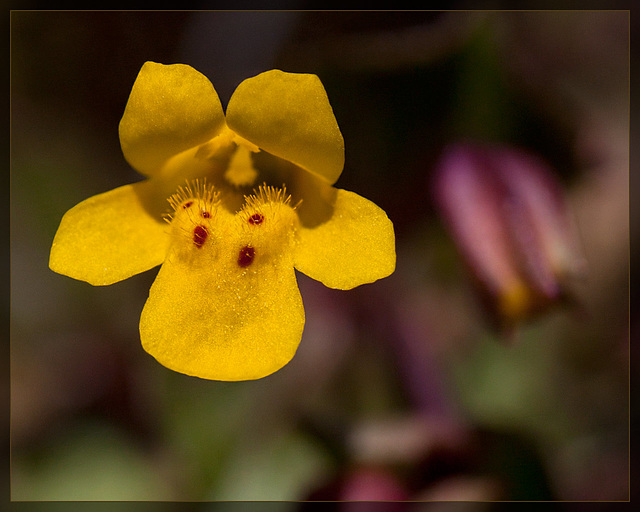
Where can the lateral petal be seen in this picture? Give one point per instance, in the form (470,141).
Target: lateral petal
(111,236)
(355,245)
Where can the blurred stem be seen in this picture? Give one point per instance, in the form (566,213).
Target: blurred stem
(483,109)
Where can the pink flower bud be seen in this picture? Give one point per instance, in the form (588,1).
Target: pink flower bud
(508,216)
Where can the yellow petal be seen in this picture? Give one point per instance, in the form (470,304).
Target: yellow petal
(354,246)
(225,304)
(289,115)
(110,237)
(171,108)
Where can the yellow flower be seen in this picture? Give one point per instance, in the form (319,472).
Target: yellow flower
(250,199)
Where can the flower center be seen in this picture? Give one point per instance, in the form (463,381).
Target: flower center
(205,233)
(241,172)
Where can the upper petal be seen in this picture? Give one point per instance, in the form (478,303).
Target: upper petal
(111,236)
(355,245)
(171,108)
(289,115)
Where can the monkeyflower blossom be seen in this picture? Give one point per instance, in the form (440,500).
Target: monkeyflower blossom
(232,203)
(510,220)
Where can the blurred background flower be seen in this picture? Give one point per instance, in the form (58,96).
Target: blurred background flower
(401,389)
(508,217)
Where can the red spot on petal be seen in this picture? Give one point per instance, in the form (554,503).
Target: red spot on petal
(187,204)
(245,258)
(256,219)
(200,235)
(205,214)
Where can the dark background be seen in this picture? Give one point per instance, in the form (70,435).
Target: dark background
(400,389)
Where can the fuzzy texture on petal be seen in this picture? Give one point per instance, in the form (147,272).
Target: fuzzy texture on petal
(218,310)
(355,246)
(171,108)
(289,115)
(111,236)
